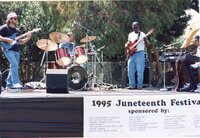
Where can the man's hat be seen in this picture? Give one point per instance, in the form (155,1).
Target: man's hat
(11,15)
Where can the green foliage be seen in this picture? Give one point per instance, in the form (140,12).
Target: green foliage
(111,22)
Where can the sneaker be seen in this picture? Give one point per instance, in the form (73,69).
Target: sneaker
(8,89)
(197,90)
(130,88)
(17,86)
(190,88)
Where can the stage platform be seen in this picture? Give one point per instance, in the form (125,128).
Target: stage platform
(35,113)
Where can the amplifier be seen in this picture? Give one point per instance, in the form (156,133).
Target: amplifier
(57,81)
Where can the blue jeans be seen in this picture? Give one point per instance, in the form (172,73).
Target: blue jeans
(13,76)
(136,63)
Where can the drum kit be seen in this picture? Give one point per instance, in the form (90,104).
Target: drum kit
(77,74)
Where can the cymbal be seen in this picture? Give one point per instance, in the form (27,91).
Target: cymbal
(88,39)
(171,48)
(46,45)
(59,37)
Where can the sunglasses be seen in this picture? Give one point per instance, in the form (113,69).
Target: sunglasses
(14,18)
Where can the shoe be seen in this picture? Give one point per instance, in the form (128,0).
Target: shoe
(17,86)
(8,89)
(139,88)
(190,88)
(130,88)
(197,90)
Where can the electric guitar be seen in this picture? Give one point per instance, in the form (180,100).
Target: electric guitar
(14,36)
(131,48)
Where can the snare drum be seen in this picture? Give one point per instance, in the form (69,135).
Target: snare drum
(53,65)
(63,57)
(80,55)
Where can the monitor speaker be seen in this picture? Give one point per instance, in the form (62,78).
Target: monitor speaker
(57,81)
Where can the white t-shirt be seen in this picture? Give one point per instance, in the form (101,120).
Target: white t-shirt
(134,36)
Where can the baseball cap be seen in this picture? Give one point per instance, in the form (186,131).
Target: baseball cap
(11,15)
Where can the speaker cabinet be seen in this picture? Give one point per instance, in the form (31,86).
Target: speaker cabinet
(57,81)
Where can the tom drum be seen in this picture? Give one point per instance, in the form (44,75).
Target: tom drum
(63,57)
(80,55)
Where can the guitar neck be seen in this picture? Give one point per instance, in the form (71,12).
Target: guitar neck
(25,34)
(21,36)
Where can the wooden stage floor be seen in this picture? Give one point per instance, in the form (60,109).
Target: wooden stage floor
(41,93)
(35,113)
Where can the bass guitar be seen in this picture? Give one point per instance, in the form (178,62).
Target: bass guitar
(7,46)
(131,47)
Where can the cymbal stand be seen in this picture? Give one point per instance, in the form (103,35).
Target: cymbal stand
(45,66)
(95,79)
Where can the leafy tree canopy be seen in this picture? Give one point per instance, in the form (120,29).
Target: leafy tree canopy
(109,20)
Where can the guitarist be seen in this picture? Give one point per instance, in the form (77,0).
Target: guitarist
(136,61)
(12,54)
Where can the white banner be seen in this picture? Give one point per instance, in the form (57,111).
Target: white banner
(142,115)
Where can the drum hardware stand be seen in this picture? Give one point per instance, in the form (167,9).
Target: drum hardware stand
(95,79)
(45,67)
(164,72)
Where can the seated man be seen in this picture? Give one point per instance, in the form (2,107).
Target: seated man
(192,68)
(70,45)
(65,53)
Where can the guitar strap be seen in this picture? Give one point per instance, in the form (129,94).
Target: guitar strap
(138,38)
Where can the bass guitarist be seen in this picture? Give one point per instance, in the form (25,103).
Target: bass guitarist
(135,52)
(12,53)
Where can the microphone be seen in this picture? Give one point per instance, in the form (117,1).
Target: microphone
(101,48)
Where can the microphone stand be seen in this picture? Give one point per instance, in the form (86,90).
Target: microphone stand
(164,72)
(83,27)
(164,64)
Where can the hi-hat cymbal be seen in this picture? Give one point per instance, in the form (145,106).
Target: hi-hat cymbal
(88,39)
(171,48)
(92,53)
(59,37)
(46,45)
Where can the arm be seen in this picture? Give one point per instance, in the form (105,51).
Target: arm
(6,39)
(128,42)
(25,40)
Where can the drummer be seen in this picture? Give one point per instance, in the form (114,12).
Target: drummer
(69,45)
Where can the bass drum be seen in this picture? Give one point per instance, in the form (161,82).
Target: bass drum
(78,77)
